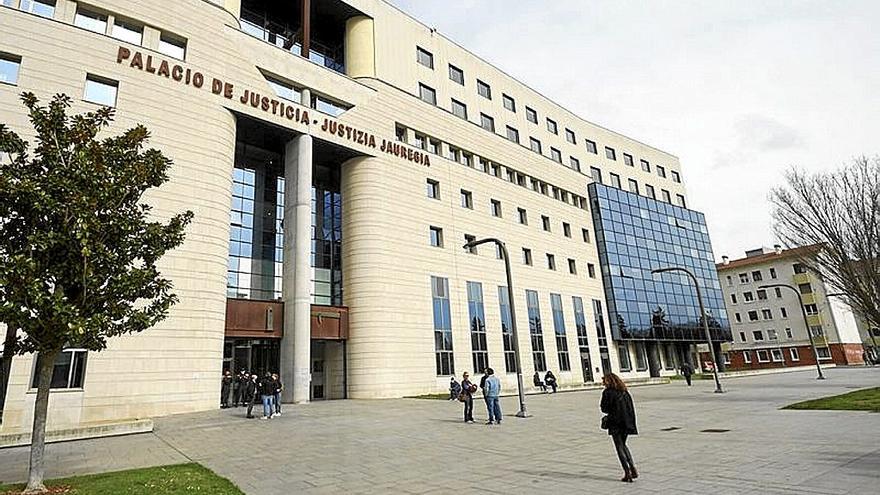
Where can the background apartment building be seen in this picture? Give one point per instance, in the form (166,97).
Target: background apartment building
(767,325)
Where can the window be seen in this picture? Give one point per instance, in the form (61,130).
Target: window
(535,145)
(788,334)
(512,134)
(776,354)
(545,223)
(799,268)
(778,293)
(649,191)
(763,356)
(467,199)
(762,294)
(328,106)
(44,8)
(555,155)
(495,207)
(456,74)
(433,189)
(747,357)
(459,109)
(527,256)
(744,279)
(623,357)
(666,197)
(509,103)
(93,21)
(436,236)
(172,46)
(443,354)
(733,298)
(773,274)
(484,89)
(766,314)
(566,229)
(551,126)
(523,216)
(531,115)
(756,276)
(570,137)
(127,31)
(610,153)
(615,180)
(729,280)
(660,170)
(425,57)
(572,267)
(535,331)
(498,254)
(287,91)
(551,261)
(69,370)
(101,91)
(783,312)
(507,330)
(559,328)
(585,234)
(753,316)
(725,356)
(591,147)
(633,186)
(793,353)
(811,309)
(675,176)
(477,316)
(9,66)
(487,122)
(679,199)
(816,330)
(467,239)
(646,167)
(400,133)
(772,335)
(628,160)
(742,336)
(591,270)
(738,317)
(805,288)
(427,94)
(758,335)
(596,174)
(823,353)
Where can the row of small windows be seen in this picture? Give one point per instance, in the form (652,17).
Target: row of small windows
(459,109)
(776,355)
(757,275)
(633,187)
(456,154)
(96,89)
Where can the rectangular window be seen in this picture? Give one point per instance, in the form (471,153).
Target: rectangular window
(811,309)
(572,267)
(433,189)
(596,174)
(559,327)
(641,356)
(531,115)
(545,223)
(9,67)
(580,325)
(127,31)
(766,314)
(610,153)
(773,274)
(100,90)
(725,357)
(753,316)
(646,167)
(509,103)
(93,21)
(633,186)
(744,279)
(799,268)
(679,199)
(762,294)
(566,229)
(467,199)
(555,155)
(742,336)
(551,126)
(436,236)
(507,330)
(425,57)
(665,195)
(776,355)
(649,191)
(805,288)
(591,147)
(287,91)
(487,122)
(459,109)
(173,46)
(747,357)
(783,312)
(772,334)
(574,163)
(585,233)
(676,177)
(615,180)
(623,357)
(44,8)
(816,330)
(788,334)
(660,170)
(484,89)
(793,353)
(733,298)
(535,145)
(824,353)
(535,331)
(628,160)
(427,94)
(477,315)
(69,370)
(551,261)
(763,356)
(756,276)
(748,297)
(456,74)
(570,137)
(523,216)
(758,335)
(527,256)
(591,270)
(495,207)
(738,317)
(512,135)
(443,354)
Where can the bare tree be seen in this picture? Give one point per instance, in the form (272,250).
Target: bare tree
(839,213)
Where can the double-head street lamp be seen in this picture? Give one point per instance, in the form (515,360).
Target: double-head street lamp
(703,317)
(806,323)
(519,380)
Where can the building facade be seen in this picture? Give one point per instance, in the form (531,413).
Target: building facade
(768,327)
(336,160)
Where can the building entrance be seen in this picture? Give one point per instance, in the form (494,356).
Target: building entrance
(587,367)
(256,356)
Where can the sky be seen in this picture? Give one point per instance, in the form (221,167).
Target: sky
(740,91)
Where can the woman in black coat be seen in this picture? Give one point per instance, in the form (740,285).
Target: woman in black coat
(620,421)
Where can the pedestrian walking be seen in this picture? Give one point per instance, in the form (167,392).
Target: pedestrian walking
(249,394)
(538,382)
(225,389)
(454,388)
(267,394)
(620,421)
(278,388)
(687,370)
(491,392)
(467,396)
(550,380)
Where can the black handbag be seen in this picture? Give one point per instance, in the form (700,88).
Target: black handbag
(604,423)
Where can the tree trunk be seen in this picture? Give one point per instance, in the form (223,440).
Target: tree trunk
(38,435)
(6,365)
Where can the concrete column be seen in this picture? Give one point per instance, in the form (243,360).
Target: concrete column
(360,47)
(296,356)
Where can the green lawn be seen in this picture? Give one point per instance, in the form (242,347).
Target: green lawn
(861,400)
(164,480)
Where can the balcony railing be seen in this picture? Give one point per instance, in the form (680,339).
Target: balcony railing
(257,25)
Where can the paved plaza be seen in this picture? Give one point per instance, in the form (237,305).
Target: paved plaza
(421,446)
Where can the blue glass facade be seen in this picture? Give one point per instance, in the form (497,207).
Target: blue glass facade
(636,234)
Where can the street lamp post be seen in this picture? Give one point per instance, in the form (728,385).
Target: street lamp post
(806,323)
(718,389)
(519,379)
(870,330)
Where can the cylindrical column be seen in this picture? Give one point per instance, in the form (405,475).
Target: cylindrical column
(360,47)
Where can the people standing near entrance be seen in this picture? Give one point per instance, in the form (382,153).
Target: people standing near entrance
(267,393)
(491,392)
(241,382)
(483,385)
(687,370)
(278,388)
(467,396)
(225,389)
(538,382)
(550,380)
(454,388)
(620,421)
(249,394)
